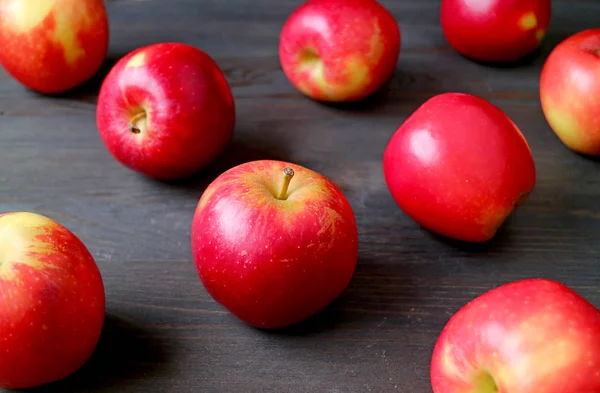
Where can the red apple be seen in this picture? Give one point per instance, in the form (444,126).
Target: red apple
(274,242)
(458,166)
(166,110)
(53,45)
(495,30)
(532,335)
(569,91)
(339,50)
(51,301)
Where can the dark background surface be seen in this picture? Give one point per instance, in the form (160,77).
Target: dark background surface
(164,334)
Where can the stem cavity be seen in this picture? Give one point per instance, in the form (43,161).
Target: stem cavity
(137,122)
(288,173)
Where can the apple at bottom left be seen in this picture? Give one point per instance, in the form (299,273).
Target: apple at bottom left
(52,301)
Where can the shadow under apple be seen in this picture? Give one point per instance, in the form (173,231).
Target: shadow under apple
(88,91)
(368,104)
(125,352)
(376,289)
(238,151)
(538,55)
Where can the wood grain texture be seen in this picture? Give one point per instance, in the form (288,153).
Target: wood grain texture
(163,333)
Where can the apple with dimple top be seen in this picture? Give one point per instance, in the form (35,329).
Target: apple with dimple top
(53,45)
(458,166)
(274,242)
(495,30)
(339,50)
(166,110)
(532,335)
(570,91)
(51,301)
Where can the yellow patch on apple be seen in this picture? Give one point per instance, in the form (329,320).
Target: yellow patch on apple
(26,15)
(528,21)
(566,128)
(17,232)
(64,32)
(357,77)
(540,34)
(138,60)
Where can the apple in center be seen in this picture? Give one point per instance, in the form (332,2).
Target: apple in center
(339,50)
(531,335)
(274,242)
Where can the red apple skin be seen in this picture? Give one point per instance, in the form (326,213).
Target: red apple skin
(532,335)
(187,107)
(569,91)
(270,262)
(495,30)
(339,50)
(52,46)
(52,301)
(458,166)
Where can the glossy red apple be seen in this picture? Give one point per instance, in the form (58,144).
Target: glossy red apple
(274,242)
(166,110)
(51,301)
(339,50)
(458,166)
(569,91)
(495,30)
(53,45)
(532,335)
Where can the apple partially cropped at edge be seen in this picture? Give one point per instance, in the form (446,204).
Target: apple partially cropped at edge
(531,335)
(51,301)
(458,166)
(339,50)
(53,45)
(166,110)
(274,242)
(495,30)
(569,91)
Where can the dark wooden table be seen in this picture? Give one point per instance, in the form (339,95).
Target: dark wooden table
(163,333)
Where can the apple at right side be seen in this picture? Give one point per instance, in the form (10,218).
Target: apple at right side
(529,336)
(569,91)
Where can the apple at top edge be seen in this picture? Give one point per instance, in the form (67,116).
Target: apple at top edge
(570,91)
(339,50)
(495,30)
(166,110)
(458,166)
(274,242)
(52,301)
(532,335)
(53,45)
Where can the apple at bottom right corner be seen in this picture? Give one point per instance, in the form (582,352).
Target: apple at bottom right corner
(530,335)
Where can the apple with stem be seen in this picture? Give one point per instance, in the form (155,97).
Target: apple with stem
(51,301)
(339,50)
(166,110)
(458,166)
(52,46)
(531,335)
(569,91)
(495,30)
(274,242)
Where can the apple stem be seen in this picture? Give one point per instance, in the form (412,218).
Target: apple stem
(133,125)
(288,173)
